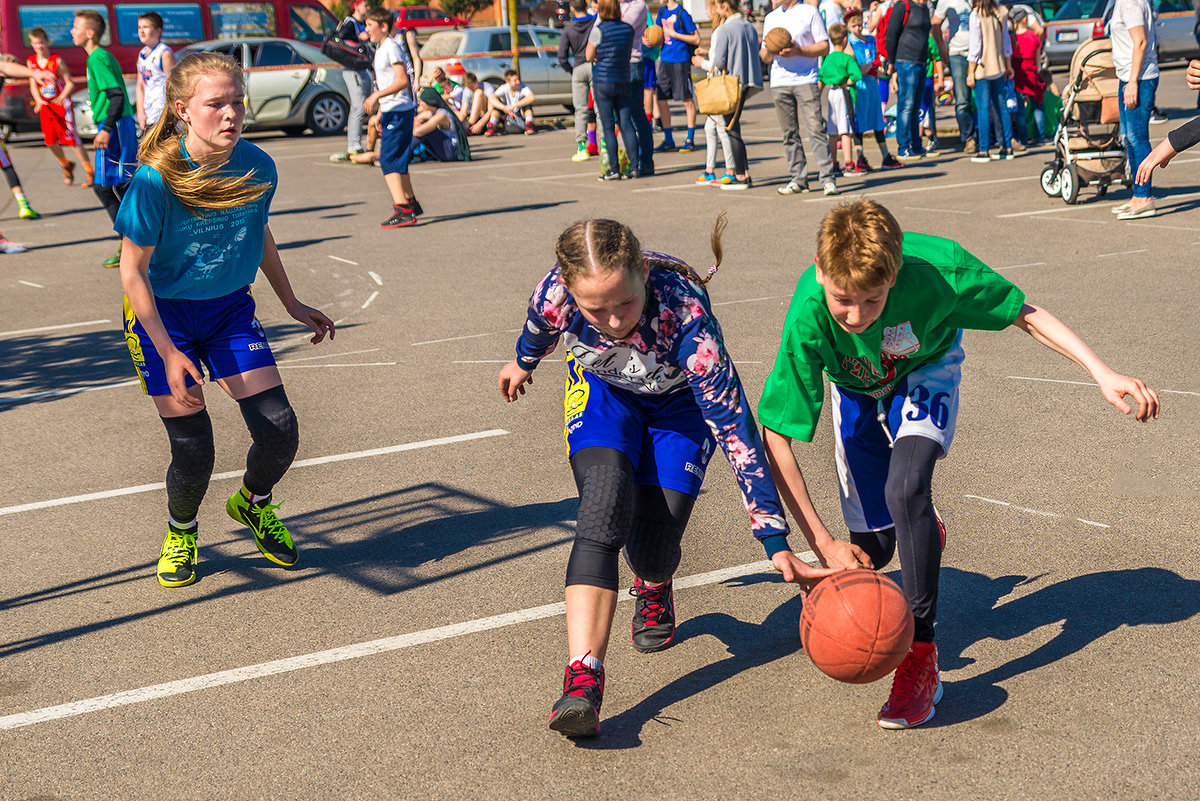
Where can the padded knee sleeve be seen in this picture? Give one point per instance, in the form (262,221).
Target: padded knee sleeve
(659,519)
(605,481)
(879,545)
(272,424)
(192,457)
(910,503)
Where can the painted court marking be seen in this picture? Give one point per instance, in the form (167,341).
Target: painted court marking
(52,328)
(1019,266)
(327,356)
(338,457)
(1120,253)
(374,295)
(344,261)
(375,277)
(30,283)
(1037,512)
(468,336)
(343,653)
(1090,384)
(58,393)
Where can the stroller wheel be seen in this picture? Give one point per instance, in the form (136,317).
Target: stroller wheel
(1068,185)
(1050,180)
(1101,191)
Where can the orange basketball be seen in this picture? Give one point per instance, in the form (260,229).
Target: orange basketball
(777,39)
(856,626)
(653,37)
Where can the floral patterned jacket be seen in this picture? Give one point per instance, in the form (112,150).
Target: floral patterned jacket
(677,347)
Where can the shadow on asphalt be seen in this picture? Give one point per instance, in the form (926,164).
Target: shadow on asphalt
(1088,608)
(307,209)
(466,215)
(303,243)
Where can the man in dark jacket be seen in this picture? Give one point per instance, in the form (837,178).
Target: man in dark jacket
(571,58)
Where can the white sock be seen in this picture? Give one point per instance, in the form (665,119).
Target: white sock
(257,498)
(588,661)
(182,526)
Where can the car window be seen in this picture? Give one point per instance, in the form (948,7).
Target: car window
(181,22)
(310,24)
(276,54)
(236,20)
(1075,9)
(549,38)
(57,20)
(1173,6)
(503,41)
(444,44)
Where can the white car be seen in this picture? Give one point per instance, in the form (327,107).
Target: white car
(487,52)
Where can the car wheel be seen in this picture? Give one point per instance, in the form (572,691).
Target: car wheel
(327,114)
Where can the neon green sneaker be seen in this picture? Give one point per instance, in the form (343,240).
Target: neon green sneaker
(177,560)
(113,261)
(581,154)
(270,534)
(27,212)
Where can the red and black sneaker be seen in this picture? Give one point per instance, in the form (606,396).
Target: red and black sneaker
(916,687)
(861,166)
(653,626)
(401,217)
(577,713)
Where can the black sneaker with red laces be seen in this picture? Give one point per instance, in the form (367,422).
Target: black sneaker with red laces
(400,218)
(653,626)
(577,713)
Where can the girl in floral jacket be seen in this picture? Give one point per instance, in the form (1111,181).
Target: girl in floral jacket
(650,389)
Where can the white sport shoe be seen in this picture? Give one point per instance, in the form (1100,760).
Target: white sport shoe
(9,246)
(831,188)
(792,188)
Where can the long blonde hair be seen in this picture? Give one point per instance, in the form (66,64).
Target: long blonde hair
(197,189)
(602,246)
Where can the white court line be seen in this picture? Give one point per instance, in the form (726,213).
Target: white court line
(339,457)
(1168,227)
(1019,266)
(501,361)
(468,336)
(51,328)
(1056,210)
(327,356)
(344,261)
(58,393)
(374,295)
(1090,384)
(939,211)
(1120,253)
(375,277)
(1093,523)
(343,653)
(1037,512)
(317,366)
(872,193)
(748,300)
(30,283)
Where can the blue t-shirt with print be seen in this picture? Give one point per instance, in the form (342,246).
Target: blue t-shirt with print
(675,51)
(202,255)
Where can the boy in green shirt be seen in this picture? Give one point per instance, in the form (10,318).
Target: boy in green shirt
(881,314)
(116,138)
(840,72)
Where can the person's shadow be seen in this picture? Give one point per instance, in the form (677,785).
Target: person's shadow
(1088,607)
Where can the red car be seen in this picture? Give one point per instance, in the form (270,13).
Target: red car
(425,18)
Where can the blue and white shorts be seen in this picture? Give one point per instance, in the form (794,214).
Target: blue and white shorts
(664,437)
(924,404)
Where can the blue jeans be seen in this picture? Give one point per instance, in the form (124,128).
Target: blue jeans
(962,98)
(612,105)
(989,95)
(910,84)
(1039,119)
(644,158)
(1135,128)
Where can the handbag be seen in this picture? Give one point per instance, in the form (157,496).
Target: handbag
(718,94)
(351,55)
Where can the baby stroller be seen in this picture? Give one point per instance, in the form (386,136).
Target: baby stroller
(1087,143)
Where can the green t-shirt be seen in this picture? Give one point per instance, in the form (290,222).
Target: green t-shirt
(103,73)
(939,289)
(934,55)
(840,69)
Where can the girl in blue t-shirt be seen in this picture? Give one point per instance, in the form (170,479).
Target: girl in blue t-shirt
(194,234)
(650,389)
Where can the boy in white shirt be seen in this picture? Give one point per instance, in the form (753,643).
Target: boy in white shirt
(512,103)
(397,110)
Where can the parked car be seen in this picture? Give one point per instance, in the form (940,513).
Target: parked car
(184,22)
(423,19)
(487,52)
(552,13)
(1080,20)
(290,86)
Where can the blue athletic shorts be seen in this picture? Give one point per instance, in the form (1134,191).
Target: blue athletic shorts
(649,73)
(664,437)
(396,141)
(221,334)
(116,164)
(924,404)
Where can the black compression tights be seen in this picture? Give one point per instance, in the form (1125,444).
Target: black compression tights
(110,198)
(646,521)
(915,533)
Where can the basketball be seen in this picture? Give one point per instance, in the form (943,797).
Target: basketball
(653,37)
(856,626)
(777,39)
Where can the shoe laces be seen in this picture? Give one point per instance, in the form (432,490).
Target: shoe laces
(911,676)
(651,601)
(177,549)
(581,679)
(270,525)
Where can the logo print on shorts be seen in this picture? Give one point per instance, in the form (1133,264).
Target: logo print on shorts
(900,340)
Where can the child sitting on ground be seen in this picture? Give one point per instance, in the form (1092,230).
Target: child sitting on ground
(512,107)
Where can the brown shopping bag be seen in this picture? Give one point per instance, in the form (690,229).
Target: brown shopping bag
(717,94)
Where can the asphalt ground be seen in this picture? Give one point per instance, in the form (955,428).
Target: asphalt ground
(415,651)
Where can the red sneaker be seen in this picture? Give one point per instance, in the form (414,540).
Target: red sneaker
(916,687)
(577,713)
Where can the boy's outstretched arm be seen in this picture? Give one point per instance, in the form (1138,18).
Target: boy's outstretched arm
(790,482)
(1054,334)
